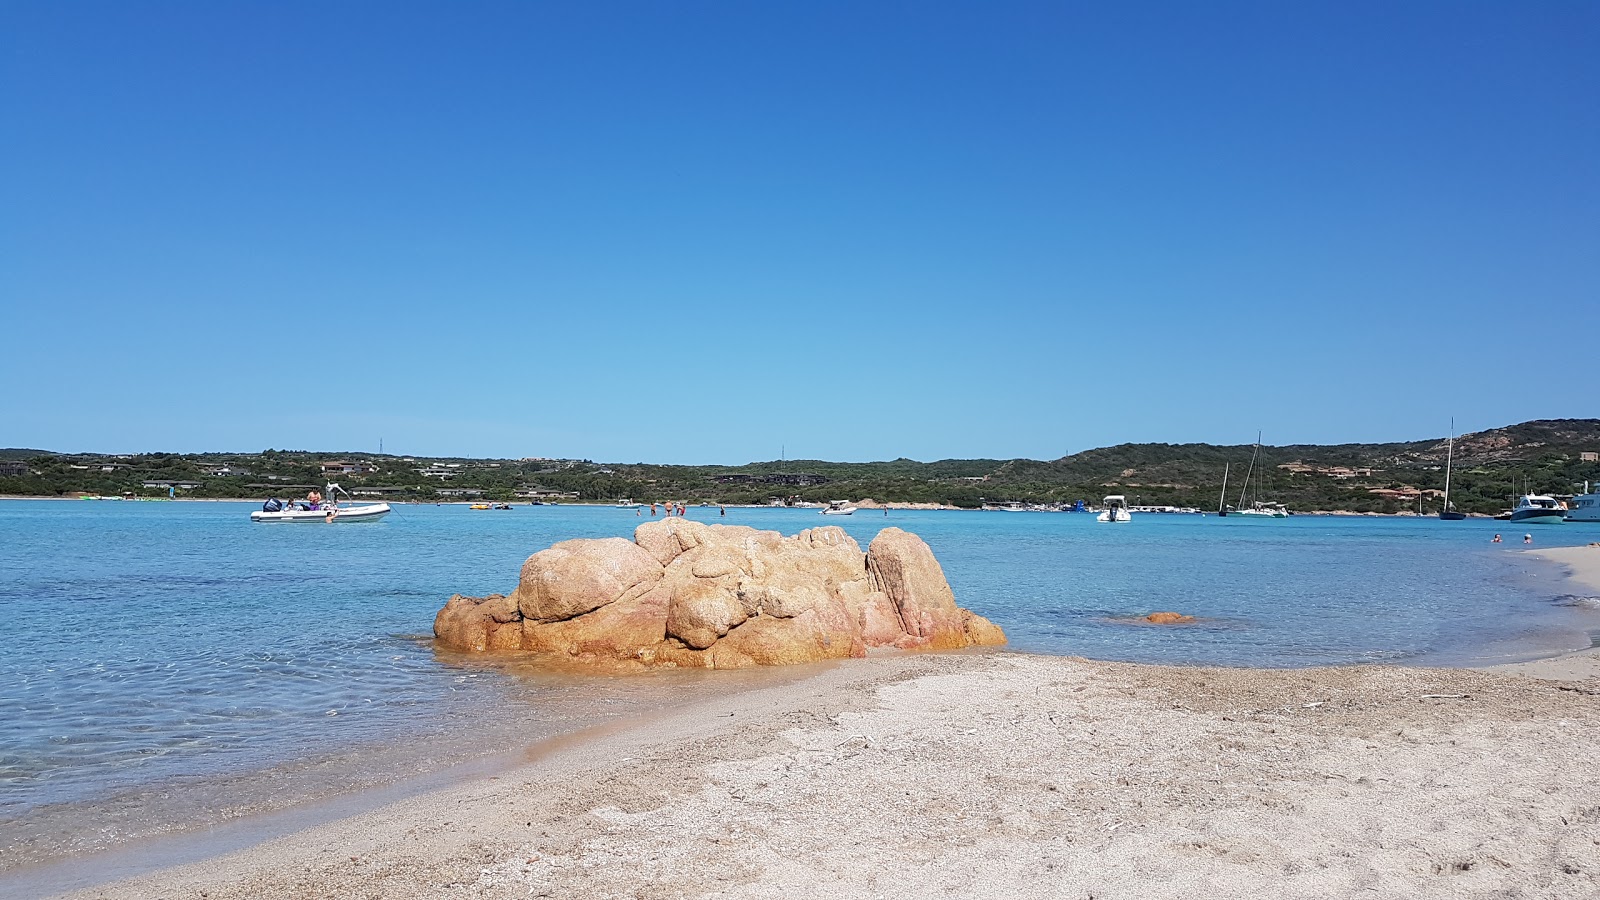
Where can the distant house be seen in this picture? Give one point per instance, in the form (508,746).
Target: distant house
(182,485)
(459,492)
(538,494)
(800,479)
(13,469)
(227,472)
(1589,456)
(440,472)
(340,467)
(378,491)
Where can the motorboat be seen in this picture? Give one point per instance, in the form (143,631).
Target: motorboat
(1538,509)
(327,513)
(1116,510)
(1585,507)
(480,506)
(839,508)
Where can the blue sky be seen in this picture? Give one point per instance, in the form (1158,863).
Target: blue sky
(702,232)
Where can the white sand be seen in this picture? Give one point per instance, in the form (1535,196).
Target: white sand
(1005,775)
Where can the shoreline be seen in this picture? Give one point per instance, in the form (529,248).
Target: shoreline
(990,771)
(397,846)
(865,504)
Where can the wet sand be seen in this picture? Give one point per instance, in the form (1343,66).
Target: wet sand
(995,774)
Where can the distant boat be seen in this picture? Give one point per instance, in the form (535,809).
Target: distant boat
(1258,509)
(1447,512)
(1262,510)
(1585,507)
(1538,509)
(839,508)
(1116,510)
(1222,499)
(480,506)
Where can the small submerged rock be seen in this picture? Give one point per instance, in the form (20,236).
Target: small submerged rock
(1168,618)
(683,593)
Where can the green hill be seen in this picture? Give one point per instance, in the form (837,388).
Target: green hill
(1490,466)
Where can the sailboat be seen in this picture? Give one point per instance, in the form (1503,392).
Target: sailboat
(1222,499)
(1446,512)
(1257,509)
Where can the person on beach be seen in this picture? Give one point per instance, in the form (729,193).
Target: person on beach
(1496,539)
(722,510)
(1527,539)
(652,509)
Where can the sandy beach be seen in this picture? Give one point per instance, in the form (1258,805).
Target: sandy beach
(991,774)
(1003,775)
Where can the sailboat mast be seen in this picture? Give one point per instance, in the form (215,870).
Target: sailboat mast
(1247,472)
(1222,498)
(1449,456)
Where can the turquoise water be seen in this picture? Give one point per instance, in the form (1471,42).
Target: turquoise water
(158,641)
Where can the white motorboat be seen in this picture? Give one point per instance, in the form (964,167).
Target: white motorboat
(839,508)
(329,512)
(1585,507)
(1116,510)
(1538,509)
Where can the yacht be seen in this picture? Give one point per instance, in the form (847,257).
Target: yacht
(1538,509)
(1585,507)
(1116,509)
(839,508)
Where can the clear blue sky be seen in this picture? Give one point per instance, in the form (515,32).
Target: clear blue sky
(699,232)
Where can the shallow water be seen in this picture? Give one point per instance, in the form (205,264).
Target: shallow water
(161,644)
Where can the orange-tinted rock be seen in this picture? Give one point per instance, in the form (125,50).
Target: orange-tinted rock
(1168,618)
(627,629)
(692,595)
(575,577)
(902,566)
(477,623)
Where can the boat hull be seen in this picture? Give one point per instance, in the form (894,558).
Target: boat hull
(1584,508)
(369,513)
(1539,517)
(1448,516)
(1249,514)
(1117,515)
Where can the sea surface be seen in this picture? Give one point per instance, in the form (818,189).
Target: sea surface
(178,654)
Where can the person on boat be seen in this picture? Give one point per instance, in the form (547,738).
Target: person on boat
(314,500)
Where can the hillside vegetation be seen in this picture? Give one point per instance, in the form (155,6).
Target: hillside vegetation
(1490,467)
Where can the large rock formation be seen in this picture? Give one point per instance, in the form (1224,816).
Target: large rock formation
(682,593)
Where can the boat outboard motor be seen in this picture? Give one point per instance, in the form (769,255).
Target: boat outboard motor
(273,505)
